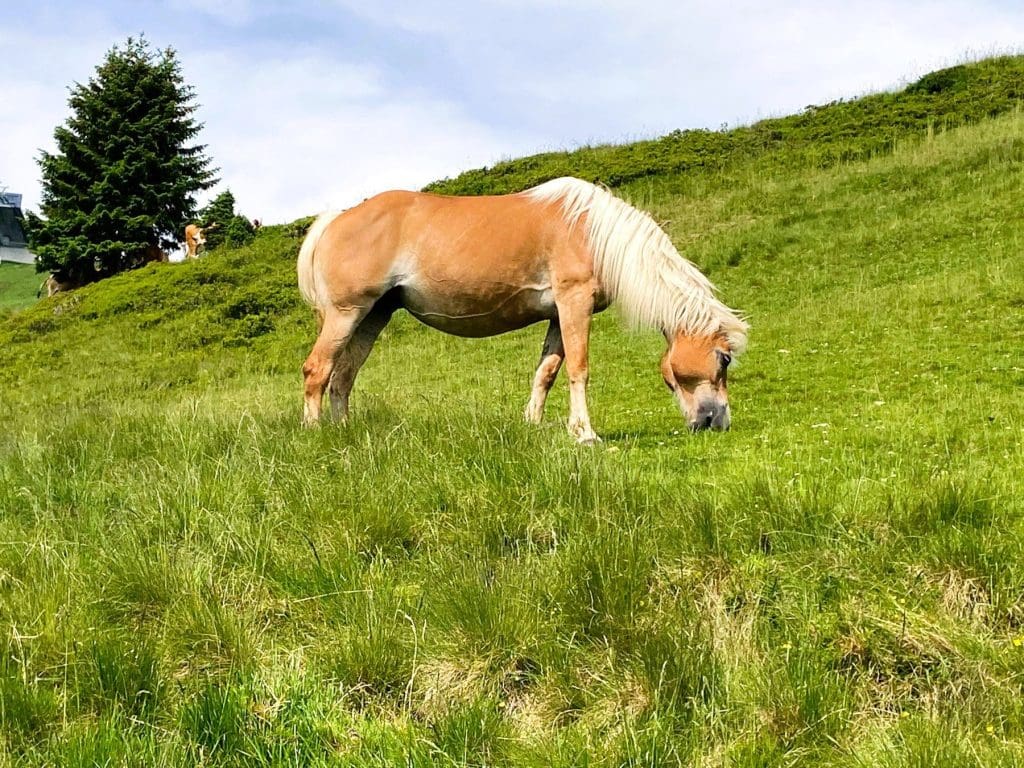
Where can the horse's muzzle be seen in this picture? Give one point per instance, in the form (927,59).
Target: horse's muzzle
(711,415)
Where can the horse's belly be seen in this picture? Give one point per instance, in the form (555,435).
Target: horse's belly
(498,311)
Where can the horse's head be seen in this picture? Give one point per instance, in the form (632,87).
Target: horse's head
(695,368)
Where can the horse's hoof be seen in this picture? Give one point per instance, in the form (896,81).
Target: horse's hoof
(588,440)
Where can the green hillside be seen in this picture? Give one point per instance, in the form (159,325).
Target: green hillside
(187,577)
(821,136)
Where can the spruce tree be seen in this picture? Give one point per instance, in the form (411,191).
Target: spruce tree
(125,175)
(222,225)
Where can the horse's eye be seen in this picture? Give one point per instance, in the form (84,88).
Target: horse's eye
(726,359)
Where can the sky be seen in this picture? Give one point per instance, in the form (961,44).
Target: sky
(310,105)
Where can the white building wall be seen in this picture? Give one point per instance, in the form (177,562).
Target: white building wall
(17,255)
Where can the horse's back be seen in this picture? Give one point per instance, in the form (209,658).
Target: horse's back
(467,265)
(358,249)
(438,235)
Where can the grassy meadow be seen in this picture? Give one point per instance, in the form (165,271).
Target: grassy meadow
(188,578)
(19,284)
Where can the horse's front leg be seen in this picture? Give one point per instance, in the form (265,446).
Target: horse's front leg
(551,357)
(574,312)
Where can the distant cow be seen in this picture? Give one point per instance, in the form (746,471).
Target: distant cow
(54,284)
(195,241)
(153,252)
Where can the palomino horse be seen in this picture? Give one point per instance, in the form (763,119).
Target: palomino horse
(480,266)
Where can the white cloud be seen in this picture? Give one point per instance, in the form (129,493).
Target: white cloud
(294,137)
(39,70)
(290,136)
(232,12)
(306,124)
(612,68)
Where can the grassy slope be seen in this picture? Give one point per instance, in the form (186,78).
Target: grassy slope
(188,576)
(820,136)
(18,285)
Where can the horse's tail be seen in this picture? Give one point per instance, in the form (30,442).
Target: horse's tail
(310,284)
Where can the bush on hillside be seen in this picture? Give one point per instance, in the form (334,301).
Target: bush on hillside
(942,81)
(228,226)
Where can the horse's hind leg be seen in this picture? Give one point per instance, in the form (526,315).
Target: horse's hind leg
(352,357)
(338,327)
(551,357)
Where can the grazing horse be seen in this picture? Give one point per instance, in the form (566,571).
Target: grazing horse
(480,266)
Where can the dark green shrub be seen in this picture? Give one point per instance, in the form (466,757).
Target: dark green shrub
(944,80)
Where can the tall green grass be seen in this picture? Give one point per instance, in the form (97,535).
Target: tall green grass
(187,577)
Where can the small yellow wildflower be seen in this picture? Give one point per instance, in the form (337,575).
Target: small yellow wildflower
(1018,641)
(990,729)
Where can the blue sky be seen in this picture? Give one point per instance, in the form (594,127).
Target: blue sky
(309,105)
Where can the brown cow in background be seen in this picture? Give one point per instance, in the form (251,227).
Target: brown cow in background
(154,253)
(194,240)
(54,284)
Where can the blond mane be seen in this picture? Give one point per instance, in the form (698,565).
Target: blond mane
(638,266)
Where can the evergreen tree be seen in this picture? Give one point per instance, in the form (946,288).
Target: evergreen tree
(125,176)
(228,227)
